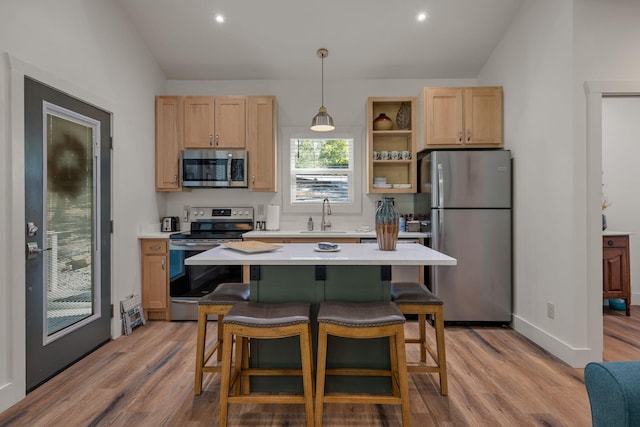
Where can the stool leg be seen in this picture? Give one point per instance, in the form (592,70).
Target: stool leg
(422,323)
(393,354)
(220,337)
(442,358)
(321,371)
(200,349)
(237,367)
(226,372)
(403,378)
(246,383)
(307,371)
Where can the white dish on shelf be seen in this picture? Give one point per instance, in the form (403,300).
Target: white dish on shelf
(382,185)
(401,185)
(336,249)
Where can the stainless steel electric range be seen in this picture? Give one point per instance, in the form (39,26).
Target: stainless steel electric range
(209,228)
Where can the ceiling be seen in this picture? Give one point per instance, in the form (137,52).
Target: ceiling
(278,39)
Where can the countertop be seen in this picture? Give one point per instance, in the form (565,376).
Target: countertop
(306,254)
(289,234)
(616,233)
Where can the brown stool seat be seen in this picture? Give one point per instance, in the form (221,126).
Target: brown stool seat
(248,320)
(412,293)
(359,315)
(218,302)
(363,321)
(226,293)
(415,298)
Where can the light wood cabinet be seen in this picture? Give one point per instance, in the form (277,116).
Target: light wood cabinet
(400,173)
(155,278)
(214,122)
(261,143)
(168,142)
(460,117)
(616,278)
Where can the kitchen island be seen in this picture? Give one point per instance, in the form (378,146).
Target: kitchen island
(357,272)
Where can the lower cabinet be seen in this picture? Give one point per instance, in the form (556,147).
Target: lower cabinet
(616,278)
(155,279)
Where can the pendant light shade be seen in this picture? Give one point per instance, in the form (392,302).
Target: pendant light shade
(322,122)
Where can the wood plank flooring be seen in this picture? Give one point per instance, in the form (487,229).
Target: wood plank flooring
(496,378)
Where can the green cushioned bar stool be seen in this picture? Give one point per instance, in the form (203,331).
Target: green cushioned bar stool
(218,302)
(415,298)
(248,320)
(364,320)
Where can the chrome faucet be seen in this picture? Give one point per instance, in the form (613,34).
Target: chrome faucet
(325,223)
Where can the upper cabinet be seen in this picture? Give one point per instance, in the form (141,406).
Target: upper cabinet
(391,145)
(168,142)
(460,117)
(261,142)
(214,122)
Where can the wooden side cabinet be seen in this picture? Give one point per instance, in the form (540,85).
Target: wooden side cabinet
(155,278)
(460,117)
(616,278)
(168,142)
(261,143)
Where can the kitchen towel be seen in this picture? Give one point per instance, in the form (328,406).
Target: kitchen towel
(273,218)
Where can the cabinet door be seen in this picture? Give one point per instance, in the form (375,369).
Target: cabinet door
(443,116)
(154,282)
(168,142)
(261,143)
(199,121)
(230,122)
(483,116)
(613,272)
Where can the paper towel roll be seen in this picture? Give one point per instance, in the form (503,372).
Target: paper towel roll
(273,218)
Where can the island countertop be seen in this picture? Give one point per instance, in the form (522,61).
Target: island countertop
(307,254)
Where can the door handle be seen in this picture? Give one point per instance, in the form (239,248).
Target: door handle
(33,251)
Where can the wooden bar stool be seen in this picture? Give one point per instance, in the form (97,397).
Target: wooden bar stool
(218,302)
(415,298)
(265,321)
(363,321)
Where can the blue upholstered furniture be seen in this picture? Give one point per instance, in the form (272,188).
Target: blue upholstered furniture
(614,393)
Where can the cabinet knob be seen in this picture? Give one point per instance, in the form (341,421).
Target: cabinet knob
(253,179)
(460,136)
(155,248)
(610,242)
(468,135)
(210,139)
(175,179)
(163,263)
(217,139)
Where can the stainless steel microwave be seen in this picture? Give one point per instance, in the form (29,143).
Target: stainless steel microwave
(213,168)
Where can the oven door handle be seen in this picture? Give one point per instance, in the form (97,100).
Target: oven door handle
(184,301)
(229,162)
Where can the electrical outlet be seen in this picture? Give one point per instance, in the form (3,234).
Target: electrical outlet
(551,310)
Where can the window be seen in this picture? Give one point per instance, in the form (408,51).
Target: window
(322,166)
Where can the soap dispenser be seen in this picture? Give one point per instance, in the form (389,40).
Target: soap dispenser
(310,224)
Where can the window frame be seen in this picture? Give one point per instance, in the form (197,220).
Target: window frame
(355,133)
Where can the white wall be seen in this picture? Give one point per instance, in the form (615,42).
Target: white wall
(88,49)
(534,64)
(621,174)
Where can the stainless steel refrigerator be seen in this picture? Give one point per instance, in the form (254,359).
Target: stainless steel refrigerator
(471,221)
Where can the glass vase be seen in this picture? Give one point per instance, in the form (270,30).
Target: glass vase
(387,219)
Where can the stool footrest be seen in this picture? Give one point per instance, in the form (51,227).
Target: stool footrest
(352,372)
(267,398)
(361,399)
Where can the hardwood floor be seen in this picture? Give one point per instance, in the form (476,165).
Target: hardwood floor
(496,378)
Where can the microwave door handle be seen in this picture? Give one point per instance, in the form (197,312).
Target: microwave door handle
(229,162)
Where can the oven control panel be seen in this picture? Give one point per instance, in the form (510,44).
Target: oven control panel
(222,213)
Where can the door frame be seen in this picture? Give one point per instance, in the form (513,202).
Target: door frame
(15,387)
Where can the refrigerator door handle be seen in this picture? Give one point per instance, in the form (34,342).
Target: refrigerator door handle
(440,186)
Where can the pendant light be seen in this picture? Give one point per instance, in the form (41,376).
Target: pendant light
(322,122)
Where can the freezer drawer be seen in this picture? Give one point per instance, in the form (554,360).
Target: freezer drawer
(478,288)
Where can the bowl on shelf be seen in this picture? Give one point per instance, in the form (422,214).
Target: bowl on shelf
(617,304)
(401,185)
(382,185)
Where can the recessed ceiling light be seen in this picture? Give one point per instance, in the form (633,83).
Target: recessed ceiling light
(422,16)
(219,18)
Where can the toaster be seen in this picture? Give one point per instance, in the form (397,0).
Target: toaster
(170,223)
